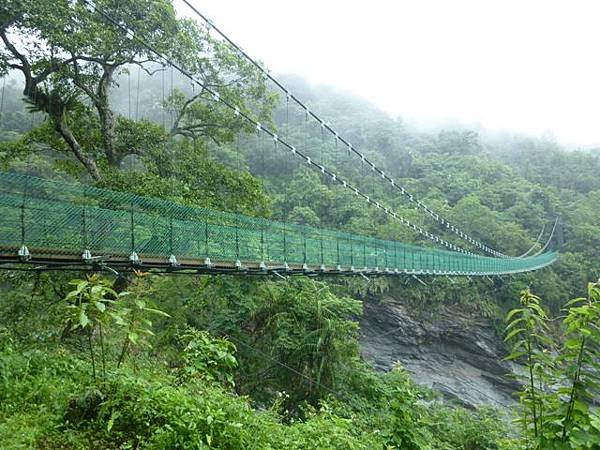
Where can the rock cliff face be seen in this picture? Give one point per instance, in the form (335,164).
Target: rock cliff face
(451,351)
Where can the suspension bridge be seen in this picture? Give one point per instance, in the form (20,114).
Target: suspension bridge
(48,222)
(67,225)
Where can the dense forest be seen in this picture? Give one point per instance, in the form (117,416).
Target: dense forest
(159,361)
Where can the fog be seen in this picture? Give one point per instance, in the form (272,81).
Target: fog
(527,67)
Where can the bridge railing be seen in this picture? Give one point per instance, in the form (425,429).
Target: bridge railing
(60,218)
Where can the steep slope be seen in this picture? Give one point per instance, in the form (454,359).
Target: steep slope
(451,351)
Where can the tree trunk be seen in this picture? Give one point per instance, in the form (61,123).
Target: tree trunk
(107,125)
(106,115)
(62,129)
(56,110)
(51,103)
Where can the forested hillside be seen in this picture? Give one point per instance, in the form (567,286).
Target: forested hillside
(166,361)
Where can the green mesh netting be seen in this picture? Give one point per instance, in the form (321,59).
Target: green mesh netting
(58,218)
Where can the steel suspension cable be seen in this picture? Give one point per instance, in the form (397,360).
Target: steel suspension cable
(549,239)
(2,100)
(129,95)
(259,127)
(420,205)
(537,241)
(162,102)
(137,96)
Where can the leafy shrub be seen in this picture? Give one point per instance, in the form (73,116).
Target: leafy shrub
(560,382)
(206,357)
(458,428)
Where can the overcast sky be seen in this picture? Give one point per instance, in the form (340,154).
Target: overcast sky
(524,66)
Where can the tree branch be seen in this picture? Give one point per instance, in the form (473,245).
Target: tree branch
(81,85)
(88,162)
(26,67)
(182,112)
(140,64)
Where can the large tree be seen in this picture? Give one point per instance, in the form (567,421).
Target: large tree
(70,54)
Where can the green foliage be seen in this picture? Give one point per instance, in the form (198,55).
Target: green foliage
(93,306)
(561,384)
(145,410)
(87,303)
(293,336)
(88,310)
(406,429)
(77,55)
(296,334)
(290,348)
(139,138)
(132,315)
(190,175)
(206,357)
(45,403)
(458,428)
(464,142)
(528,333)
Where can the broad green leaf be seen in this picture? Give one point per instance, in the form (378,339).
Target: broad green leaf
(83,319)
(512,313)
(157,311)
(513,356)
(513,333)
(133,337)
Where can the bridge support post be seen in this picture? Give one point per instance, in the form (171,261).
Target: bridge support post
(304,264)
(86,255)
(285,264)
(133,257)
(322,267)
(337,246)
(263,266)
(172,260)
(23,252)
(238,262)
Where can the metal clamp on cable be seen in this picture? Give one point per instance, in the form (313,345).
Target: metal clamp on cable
(135,259)
(23,253)
(172,260)
(86,256)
